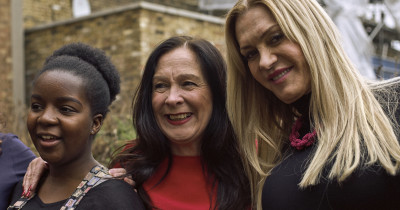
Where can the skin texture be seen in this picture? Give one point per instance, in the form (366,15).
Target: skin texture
(33,173)
(181,91)
(274,61)
(60,111)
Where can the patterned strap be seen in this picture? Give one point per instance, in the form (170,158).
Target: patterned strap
(20,203)
(97,175)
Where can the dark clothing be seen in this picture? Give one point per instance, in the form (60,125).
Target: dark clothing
(111,194)
(14,160)
(364,189)
(370,188)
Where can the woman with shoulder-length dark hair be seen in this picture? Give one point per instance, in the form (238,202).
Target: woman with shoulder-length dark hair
(186,154)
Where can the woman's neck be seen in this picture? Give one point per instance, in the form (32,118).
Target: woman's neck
(302,105)
(189,149)
(62,180)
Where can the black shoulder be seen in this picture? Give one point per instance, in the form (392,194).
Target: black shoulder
(112,194)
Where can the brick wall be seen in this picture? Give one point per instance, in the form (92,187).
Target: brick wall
(100,5)
(157,26)
(117,34)
(191,5)
(37,12)
(5,64)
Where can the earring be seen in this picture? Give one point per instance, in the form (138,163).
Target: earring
(92,132)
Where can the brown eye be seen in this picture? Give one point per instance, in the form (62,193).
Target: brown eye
(188,83)
(250,55)
(276,39)
(159,86)
(36,107)
(67,109)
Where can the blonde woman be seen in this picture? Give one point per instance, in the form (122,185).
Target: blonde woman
(326,137)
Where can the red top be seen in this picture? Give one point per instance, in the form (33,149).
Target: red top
(183,188)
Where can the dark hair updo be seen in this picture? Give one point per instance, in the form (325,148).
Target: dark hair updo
(100,76)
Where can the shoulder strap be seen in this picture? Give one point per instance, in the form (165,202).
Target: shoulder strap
(97,175)
(20,203)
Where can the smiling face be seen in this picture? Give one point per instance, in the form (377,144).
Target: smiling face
(182,100)
(60,119)
(274,61)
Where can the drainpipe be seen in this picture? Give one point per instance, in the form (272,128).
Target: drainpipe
(18,64)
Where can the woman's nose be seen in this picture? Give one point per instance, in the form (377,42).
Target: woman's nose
(267,59)
(48,116)
(174,97)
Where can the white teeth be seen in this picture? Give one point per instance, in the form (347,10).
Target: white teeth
(281,74)
(179,116)
(48,137)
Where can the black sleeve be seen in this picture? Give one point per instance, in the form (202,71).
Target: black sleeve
(111,194)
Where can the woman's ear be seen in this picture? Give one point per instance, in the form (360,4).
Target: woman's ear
(97,123)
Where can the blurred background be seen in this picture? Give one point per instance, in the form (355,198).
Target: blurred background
(30,30)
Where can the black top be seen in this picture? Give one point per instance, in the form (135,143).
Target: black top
(111,194)
(371,188)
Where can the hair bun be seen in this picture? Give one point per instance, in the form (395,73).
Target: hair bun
(97,58)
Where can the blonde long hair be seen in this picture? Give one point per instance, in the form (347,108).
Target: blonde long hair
(352,128)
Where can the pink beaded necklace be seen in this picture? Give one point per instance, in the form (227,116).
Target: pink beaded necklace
(307,139)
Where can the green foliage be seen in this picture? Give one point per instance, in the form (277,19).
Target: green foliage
(116,131)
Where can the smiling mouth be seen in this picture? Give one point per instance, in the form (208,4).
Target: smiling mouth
(281,74)
(177,117)
(48,137)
